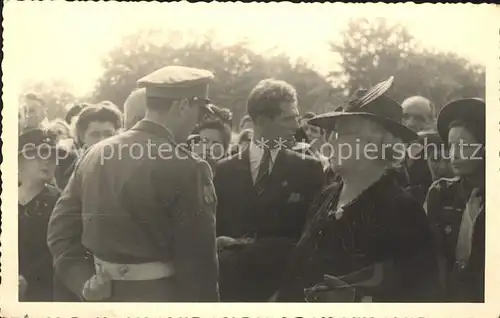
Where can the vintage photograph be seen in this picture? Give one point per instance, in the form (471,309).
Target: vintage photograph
(232,152)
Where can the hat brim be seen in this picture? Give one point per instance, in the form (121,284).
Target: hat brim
(328,121)
(470,110)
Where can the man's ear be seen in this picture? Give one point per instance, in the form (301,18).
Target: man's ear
(180,106)
(262,121)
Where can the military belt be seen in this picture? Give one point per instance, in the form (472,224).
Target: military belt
(135,272)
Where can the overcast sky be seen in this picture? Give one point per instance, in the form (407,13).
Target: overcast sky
(65,41)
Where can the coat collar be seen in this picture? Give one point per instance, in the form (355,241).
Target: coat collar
(153,128)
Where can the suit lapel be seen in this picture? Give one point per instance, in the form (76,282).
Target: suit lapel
(243,173)
(274,185)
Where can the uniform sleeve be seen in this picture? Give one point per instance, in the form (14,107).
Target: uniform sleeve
(72,264)
(195,254)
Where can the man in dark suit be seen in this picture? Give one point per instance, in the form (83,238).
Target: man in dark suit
(137,219)
(264,191)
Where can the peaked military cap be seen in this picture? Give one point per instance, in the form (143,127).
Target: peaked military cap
(469,110)
(177,82)
(372,104)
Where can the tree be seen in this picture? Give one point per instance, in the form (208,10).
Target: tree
(56,96)
(236,67)
(371,51)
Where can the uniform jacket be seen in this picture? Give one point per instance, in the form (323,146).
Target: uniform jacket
(35,261)
(445,205)
(281,210)
(383,224)
(124,207)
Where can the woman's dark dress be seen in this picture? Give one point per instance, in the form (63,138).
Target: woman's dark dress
(35,260)
(383,223)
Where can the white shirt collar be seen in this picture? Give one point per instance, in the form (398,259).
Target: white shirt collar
(255,154)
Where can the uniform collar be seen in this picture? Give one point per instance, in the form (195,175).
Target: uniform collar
(154,128)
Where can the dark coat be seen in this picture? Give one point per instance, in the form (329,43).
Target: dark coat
(35,261)
(384,224)
(445,205)
(124,209)
(252,271)
(277,212)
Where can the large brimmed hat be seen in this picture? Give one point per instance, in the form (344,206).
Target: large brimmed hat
(469,110)
(38,140)
(372,104)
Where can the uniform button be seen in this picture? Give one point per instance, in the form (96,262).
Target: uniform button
(321,232)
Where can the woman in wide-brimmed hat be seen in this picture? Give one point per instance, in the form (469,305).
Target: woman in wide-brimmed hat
(455,207)
(37,158)
(366,231)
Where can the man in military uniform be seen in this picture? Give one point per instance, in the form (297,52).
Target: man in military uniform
(137,219)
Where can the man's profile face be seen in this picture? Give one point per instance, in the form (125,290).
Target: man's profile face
(284,125)
(417,115)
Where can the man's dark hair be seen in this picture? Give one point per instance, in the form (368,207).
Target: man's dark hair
(266,98)
(224,129)
(74,111)
(99,113)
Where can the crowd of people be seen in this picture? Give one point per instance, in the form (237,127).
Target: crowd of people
(270,210)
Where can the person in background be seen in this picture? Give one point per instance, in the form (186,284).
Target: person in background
(213,140)
(37,156)
(61,130)
(364,231)
(316,137)
(456,207)
(93,124)
(73,112)
(418,114)
(96,123)
(35,115)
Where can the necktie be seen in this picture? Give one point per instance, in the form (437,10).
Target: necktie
(263,175)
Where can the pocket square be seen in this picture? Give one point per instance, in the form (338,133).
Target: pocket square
(295,197)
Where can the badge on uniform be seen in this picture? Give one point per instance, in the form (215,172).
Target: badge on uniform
(295,197)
